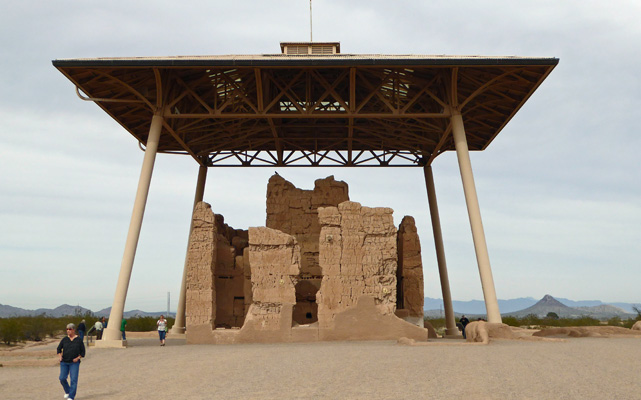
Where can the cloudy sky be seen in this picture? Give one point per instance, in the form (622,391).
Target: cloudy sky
(559,188)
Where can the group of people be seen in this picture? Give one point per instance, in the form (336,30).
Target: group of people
(71,349)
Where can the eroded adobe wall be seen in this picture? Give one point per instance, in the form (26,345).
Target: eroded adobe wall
(201,264)
(215,289)
(274,259)
(410,269)
(294,211)
(357,254)
(229,275)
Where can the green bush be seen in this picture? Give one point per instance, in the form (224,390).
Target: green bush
(512,321)
(10,330)
(586,321)
(437,323)
(628,323)
(533,320)
(139,324)
(37,328)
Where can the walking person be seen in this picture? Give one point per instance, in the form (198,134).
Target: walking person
(123,324)
(82,329)
(162,329)
(98,327)
(464,321)
(70,351)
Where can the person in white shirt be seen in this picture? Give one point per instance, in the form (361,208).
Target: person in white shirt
(98,327)
(162,329)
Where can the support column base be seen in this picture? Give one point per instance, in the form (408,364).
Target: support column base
(177,329)
(111,344)
(453,337)
(453,334)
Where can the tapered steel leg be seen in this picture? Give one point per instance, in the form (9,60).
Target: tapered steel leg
(112,333)
(450,323)
(474,212)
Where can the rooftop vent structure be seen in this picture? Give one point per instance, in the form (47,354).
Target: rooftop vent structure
(313,48)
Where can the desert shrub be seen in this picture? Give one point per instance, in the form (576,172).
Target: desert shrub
(141,324)
(552,315)
(585,321)
(34,328)
(437,323)
(628,323)
(10,330)
(615,321)
(38,327)
(512,321)
(145,324)
(531,319)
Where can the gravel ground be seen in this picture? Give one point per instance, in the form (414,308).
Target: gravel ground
(582,368)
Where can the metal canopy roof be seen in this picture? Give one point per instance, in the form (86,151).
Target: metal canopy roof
(291,110)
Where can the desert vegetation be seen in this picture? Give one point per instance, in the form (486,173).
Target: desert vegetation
(550,320)
(38,328)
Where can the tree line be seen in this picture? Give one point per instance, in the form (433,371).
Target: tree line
(38,328)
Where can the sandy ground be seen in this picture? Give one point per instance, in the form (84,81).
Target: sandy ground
(578,368)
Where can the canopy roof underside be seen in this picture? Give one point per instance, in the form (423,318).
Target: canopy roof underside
(284,110)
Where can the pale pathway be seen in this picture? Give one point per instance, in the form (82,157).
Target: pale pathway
(583,368)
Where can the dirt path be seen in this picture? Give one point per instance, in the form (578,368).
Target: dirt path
(584,368)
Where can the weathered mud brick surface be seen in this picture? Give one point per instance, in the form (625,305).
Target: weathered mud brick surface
(294,211)
(201,265)
(410,268)
(357,254)
(215,282)
(274,260)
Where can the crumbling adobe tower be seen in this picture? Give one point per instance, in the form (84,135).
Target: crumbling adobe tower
(324,268)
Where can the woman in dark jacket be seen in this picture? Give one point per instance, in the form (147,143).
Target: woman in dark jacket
(70,351)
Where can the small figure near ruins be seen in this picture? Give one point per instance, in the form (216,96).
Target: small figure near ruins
(323,268)
(464,321)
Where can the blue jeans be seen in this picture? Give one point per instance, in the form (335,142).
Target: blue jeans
(81,334)
(123,335)
(69,369)
(162,334)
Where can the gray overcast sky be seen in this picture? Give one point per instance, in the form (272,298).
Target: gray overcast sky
(559,188)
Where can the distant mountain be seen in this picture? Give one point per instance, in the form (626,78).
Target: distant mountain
(433,307)
(549,304)
(627,307)
(60,311)
(478,306)
(133,313)
(605,309)
(9,311)
(64,310)
(580,303)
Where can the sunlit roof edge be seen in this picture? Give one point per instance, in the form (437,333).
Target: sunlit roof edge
(299,60)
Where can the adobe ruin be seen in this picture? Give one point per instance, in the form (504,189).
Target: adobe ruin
(323,268)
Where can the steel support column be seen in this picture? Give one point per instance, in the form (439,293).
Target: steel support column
(112,335)
(179,325)
(474,212)
(450,323)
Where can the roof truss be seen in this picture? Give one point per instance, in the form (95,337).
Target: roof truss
(309,115)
